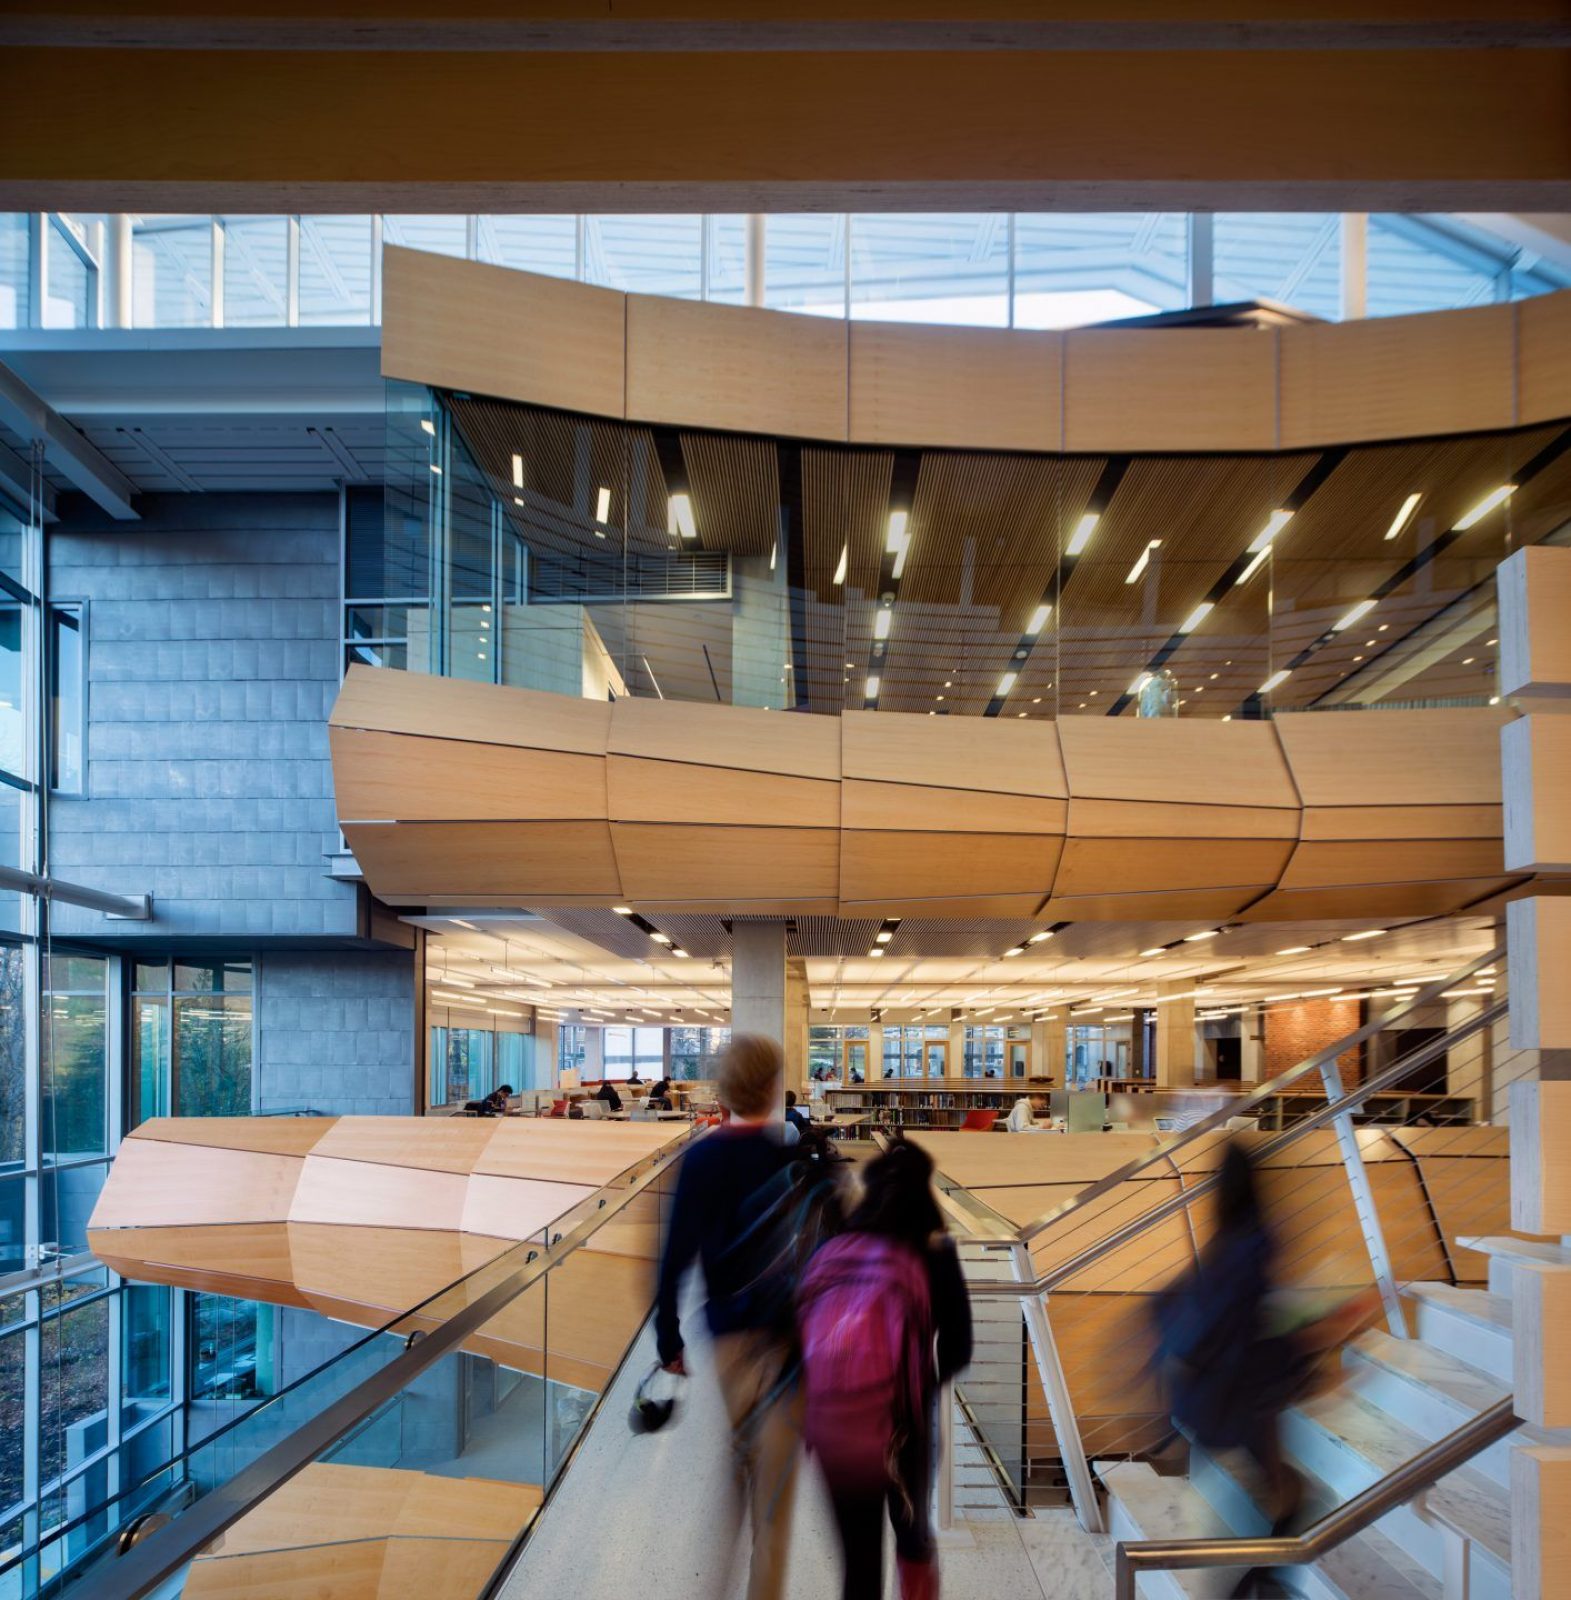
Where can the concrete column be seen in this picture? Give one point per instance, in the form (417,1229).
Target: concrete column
(1175,1036)
(957,1049)
(1355,265)
(1251,1046)
(1049,1047)
(758,979)
(796,1024)
(753,260)
(116,268)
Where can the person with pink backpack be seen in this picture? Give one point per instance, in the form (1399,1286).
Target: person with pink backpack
(883,1320)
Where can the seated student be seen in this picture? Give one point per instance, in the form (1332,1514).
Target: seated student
(795,1114)
(660,1095)
(494,1104)
(605,1092)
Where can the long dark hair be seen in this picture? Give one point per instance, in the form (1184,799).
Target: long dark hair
(897,1197)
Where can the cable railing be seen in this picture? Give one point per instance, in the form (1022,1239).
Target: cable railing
(1364,1186)
(561,1307)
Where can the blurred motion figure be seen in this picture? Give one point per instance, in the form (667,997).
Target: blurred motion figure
(884,1320)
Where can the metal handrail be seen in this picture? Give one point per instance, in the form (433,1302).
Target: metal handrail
(1256,1097)
(1395,1489)
(166,1551)
(1190,1193)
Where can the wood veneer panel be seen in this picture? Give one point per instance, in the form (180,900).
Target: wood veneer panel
(569,1152)
(1103,866)
(248,1260)
(435,1144)
(1149,819)
(1177,389)
(466,1508)
(419,859)
(1398,377)
(967,905)
(1329,823)
(966,388)
(362,1192)
(1172,905)
(515,1208)
(1373,861)
(350,1571)
(716,366)
(677,791)
(390,701)
(153,1184)
(1364,901)
(925,808)
(1543,326)
(658,861)
(1401,758)
(283,1136)
(516,335)
(744,737)
(877,865)
(383,1270)
(1075,1159)
(949,752)
(416,1569)
(1193,761)
(381,775)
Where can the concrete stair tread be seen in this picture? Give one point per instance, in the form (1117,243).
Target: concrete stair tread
(1465,1500)
(1469,1389)
(1370,1567)
(1491,1310)
(1170,1508)
(1512,1249)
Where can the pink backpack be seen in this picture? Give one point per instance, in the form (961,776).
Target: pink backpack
(865,1321)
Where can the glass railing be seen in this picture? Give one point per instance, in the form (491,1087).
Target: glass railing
(452,1421)
(587,556)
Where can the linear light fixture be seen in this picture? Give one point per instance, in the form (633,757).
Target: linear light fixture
(898,542)
(1369,933)
(623,911)
(1276,680)
(679,952)
(1040,935)
(1197,616)
(1142,561)
(840,568)
(881,621)
(1494,498)
(518,472)
(1296,950)
(1362,609)
(873,686)
(1249,571)
(876,952)
(661,938)
(428,426)
(1039,619)
(1081,537)
(1006,683)
(1205,933)
(1017,950)
(884,936)
(458,922)
(1156,950)
(603,505)
(1274,525)
(1400,520)
(680,515)
(1140,683)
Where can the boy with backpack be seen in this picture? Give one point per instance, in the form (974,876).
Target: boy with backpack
(883,1320)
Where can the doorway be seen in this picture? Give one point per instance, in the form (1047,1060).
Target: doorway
(1017,1058)
(935,1058)
(855,1061)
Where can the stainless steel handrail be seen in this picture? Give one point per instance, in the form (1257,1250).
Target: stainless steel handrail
(1190,1193)
(1398,1487)
(1256,1097)
(162,1554)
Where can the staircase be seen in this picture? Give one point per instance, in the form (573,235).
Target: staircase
(1396,1397)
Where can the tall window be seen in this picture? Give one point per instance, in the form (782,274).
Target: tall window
(693,1051)
(191,1039)
(634,1049)
(68,698)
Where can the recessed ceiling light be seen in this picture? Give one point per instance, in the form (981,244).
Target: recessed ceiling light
(679,515)
(840,568)
(1018,950)
(1039,619)
(623,911)
(603,505)
(1206,933)
(884,937)
(876,951)
(1155,950)
(1196,617)
(1276,680)
(881,620)
(1081,537)
(1371,933)
(1399,521)
(661,938)
(1037,938)
(518,472)
(1362,609)
(428,426)
(1142,560)
(873,686)
(1007,682)
(1494,498)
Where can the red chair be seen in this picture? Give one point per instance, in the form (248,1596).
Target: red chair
(558,1108)
(979,1122)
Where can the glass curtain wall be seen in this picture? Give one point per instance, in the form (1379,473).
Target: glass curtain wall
(595,558)
(468,1061)
(985,269)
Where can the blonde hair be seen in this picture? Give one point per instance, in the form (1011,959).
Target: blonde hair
(748,1079)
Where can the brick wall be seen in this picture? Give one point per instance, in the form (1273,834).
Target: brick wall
(1294,1033)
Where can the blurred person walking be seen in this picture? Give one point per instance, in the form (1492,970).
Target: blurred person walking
(749,1211)
(884,1320)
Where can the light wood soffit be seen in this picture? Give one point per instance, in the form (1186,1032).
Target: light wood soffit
(575,347)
